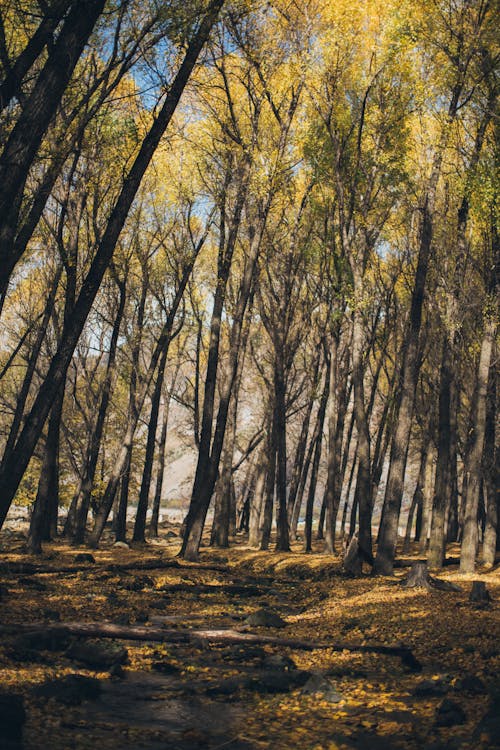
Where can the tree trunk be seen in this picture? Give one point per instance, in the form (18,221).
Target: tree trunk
(48,486)
(437,545)
(417,500)
(282,530)
(492,487)
(318,441)
(121,492)
(473,468)
(266,520)
(94,443)
(363,493)
(139,534)
(254,531)
(155,515)
(427,500)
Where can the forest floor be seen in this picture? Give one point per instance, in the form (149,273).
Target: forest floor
(211,694)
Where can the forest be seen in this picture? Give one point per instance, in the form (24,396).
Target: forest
(249,284)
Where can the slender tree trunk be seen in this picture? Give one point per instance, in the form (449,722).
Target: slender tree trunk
(210,450)
(473,468)
(48,486)
(142,506)
(122,493)
(436,554)
(320,423)
(417,499)
(35,350)
(282,530)
(302,442)
(266,520)
(300,492)
(94,444)
(155,515)
(254,530)
(222,510)
(363,493)
(427,500)
(490,461)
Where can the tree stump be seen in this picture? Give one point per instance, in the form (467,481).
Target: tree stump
(479,594)
(353,564)
(419,578)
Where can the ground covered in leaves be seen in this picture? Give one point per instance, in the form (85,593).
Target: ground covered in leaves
(130,694)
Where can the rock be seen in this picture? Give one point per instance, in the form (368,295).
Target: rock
(487,732)
(319,685)
(160,603)
(33,583)
(278,661)
(121,545)
(243,653)
(40,640)
(99,656)
(229,686)
(429,688)
(171,535)
(84,557)
(51,614)
(471,684)
(165,667)
(116,670)
(70,690)
(122,619)
(449,714)
(138,584)
(265,618)
(279,680)
(12,717)
(28,655)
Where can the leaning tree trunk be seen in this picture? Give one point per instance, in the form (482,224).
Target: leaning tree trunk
(94,443)
(473,468)
(12,470)
(24,140)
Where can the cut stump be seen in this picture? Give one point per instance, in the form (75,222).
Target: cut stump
(479,594)
(419,578)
